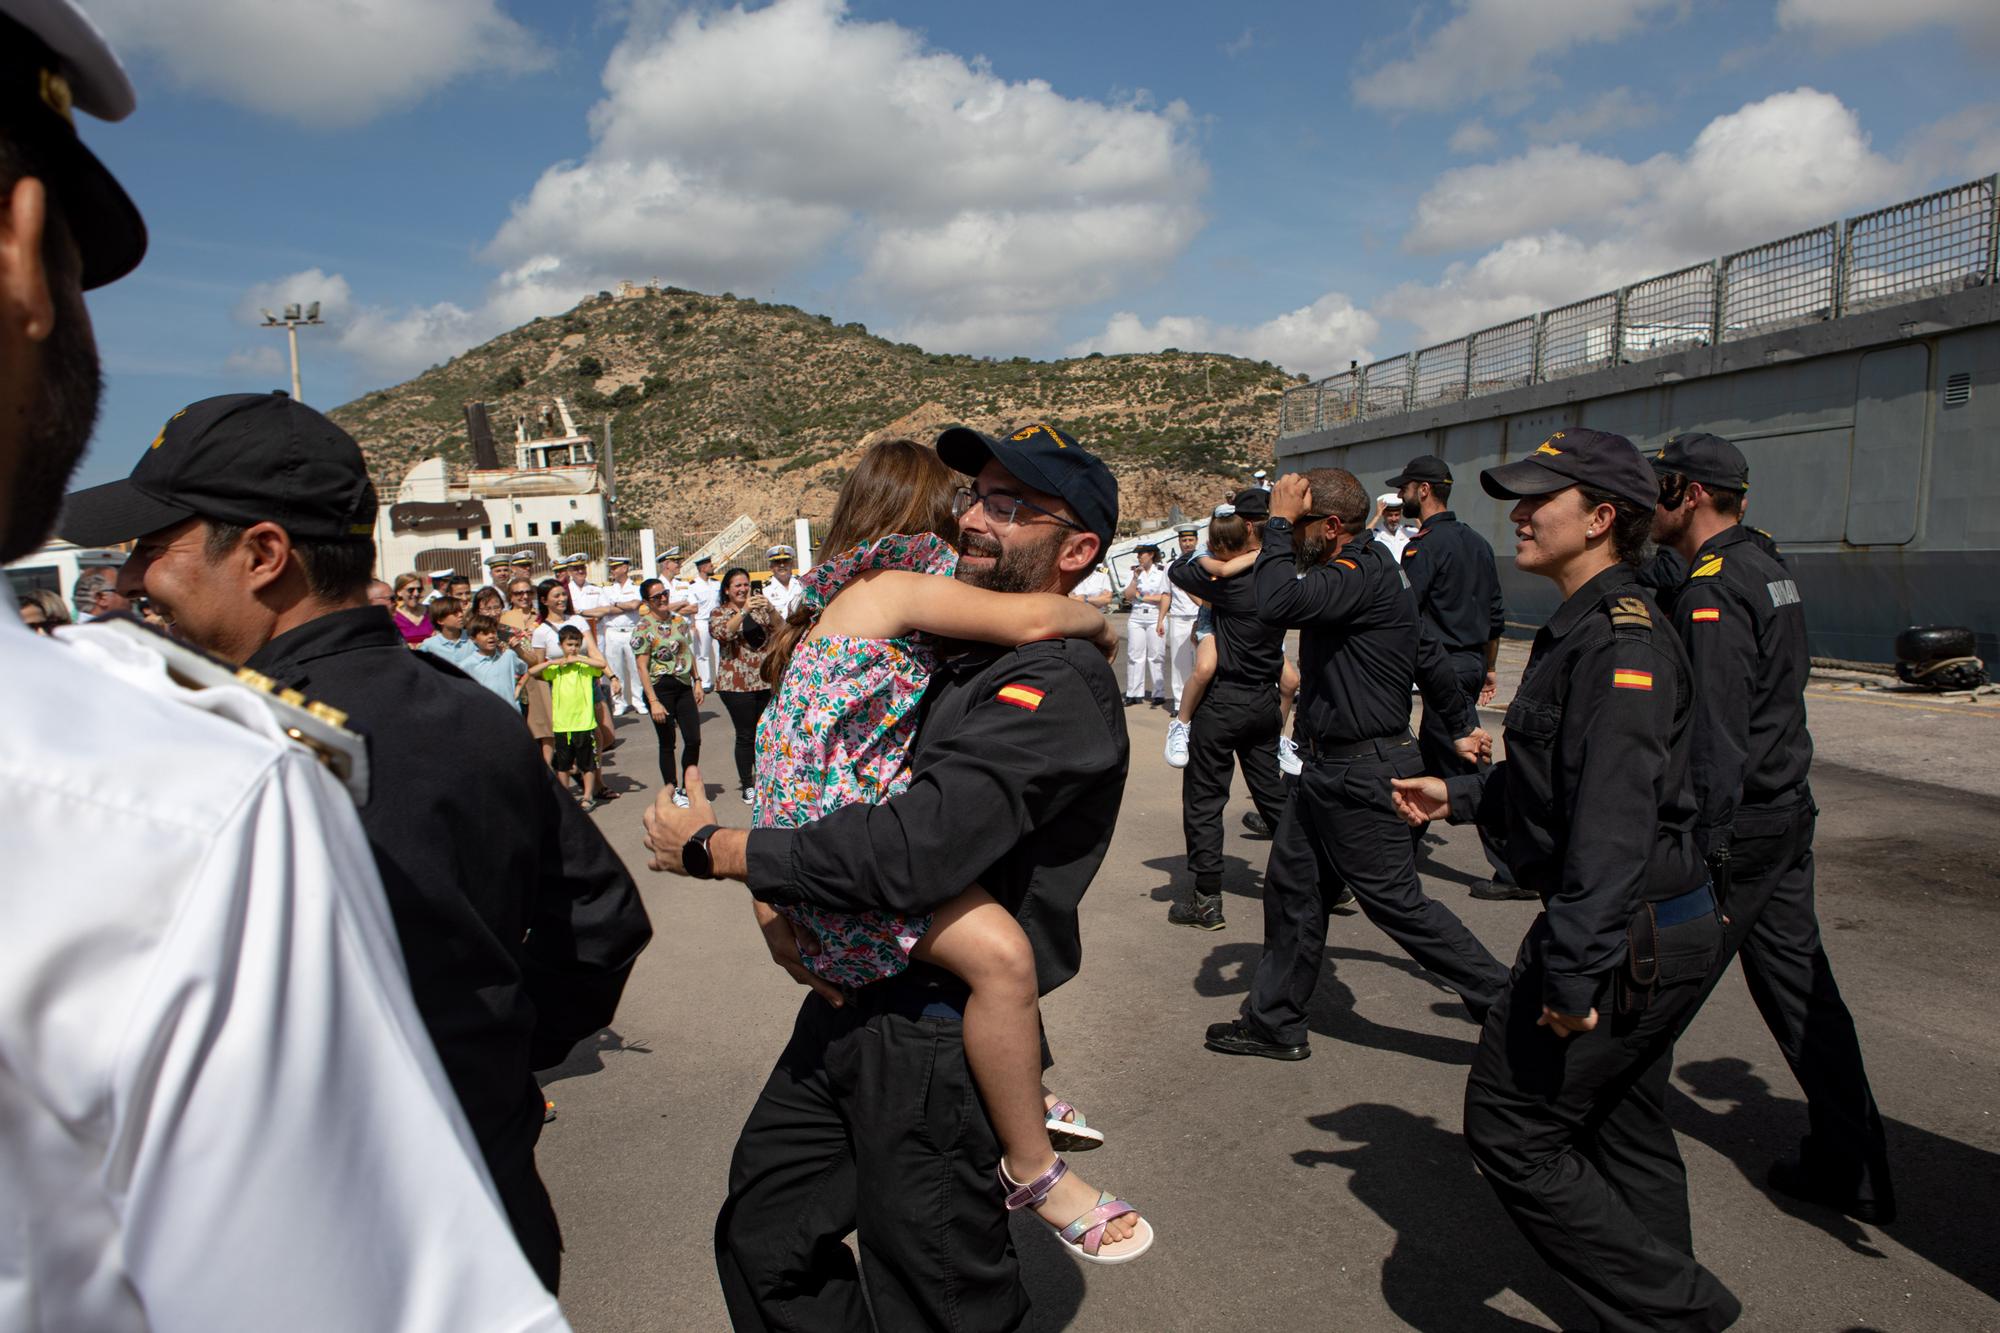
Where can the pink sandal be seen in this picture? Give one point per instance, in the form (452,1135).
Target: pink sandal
(1084,1237)
(1067,1130)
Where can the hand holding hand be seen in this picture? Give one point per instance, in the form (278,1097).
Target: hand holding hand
(1475,748)
(788,942)
(1489,689)
(668,827)
(1419,800)
(1291,497)
(1566,1025)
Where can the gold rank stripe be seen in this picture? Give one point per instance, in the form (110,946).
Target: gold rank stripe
(1624,678)
(1021,696)
(1705,613)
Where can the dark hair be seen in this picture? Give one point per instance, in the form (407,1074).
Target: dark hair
(1336,492)
(1727,503)
(475,625)
(731,573)
(466,579)
(488,591)
(1440,489)
(1631,526)
(569,632)
(335,571)
(445,606)
(1229,534)
(898,487)
(548,590)
(646,588)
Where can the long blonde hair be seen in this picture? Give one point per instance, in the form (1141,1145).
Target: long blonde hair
(899,486)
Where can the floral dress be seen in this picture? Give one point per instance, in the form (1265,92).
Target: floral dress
(839,732)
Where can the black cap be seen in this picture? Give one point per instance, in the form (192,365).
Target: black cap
(1253,505)
(1048,460)
(53,63)
(1708,459)
(242,458)
(1577,457)
(1424,467)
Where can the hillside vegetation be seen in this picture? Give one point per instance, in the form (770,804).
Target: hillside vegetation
(721,406)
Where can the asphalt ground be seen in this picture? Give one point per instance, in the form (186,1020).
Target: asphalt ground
(1336,1194)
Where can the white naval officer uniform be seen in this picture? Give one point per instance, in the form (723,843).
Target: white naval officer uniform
(1096,583)
(616,633)
(707,595)
(1181,613)
(1145,649)
(221,1109)
(784,596)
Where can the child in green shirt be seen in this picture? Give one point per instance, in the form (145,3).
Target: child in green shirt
(573,709)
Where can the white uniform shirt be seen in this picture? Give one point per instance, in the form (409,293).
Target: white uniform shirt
(679,590)
(585,596)
(220,1108)
(1095,584)
(1152,582)
(783,597)
(1395,539)
(707,594)
(1183,603)
(613,593)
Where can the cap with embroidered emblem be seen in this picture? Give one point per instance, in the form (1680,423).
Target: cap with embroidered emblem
(1424,467)
(1708,459)
(242,459)
(1047,460)
(1577,456)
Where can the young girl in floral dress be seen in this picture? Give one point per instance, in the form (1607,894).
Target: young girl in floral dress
(850,669)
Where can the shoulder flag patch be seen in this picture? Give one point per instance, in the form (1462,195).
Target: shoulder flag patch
(1630,611)
(1349,563)
(1021,696)
(1707,568)
(1702,613)
(1626,678)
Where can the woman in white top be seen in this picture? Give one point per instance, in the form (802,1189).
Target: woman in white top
(544,643)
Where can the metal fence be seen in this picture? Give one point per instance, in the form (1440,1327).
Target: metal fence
(1942,242)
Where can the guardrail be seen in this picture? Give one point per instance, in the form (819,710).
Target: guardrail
(1945,241)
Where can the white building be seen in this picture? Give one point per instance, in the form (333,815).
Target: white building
(432,524)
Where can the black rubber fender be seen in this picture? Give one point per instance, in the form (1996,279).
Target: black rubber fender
(1933,643)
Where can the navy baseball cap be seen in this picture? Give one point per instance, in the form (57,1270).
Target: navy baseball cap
(242,458)
(1424,467)
(1046,459)
(1253,504)
(54,63)
(1577,457)
(1708,459)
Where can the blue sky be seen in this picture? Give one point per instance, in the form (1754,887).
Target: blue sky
(1300,182)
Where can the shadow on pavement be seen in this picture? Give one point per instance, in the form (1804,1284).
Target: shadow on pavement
(1947,1192)
(1053,1279)
(588,1056)
(1226,971)
(1239,878)
(1455,1249)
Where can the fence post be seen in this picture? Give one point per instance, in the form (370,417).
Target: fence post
(1541,330)
(1843,262)
(1618,328)
(1465,390)
(1319,405)
(1359,400)
(1720,279)
(1993,230)
(1410,382)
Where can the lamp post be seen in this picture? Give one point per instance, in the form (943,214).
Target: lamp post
(290,322)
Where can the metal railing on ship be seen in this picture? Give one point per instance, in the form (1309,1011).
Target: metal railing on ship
(1945,241)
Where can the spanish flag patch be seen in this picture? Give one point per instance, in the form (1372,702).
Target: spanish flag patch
(1625,678)
(1349,563)
(1021,696)
(1705,613)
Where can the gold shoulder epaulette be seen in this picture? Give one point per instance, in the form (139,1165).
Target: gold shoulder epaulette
(1629,612)
(1707,568)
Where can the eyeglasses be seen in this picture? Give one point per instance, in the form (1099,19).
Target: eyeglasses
(1001,507)
(522,592)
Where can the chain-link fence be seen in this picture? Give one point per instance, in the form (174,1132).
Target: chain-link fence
(1943,242)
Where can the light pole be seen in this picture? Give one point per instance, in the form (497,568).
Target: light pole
(290,322)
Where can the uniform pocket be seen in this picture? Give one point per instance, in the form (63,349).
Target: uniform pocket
(1532,720)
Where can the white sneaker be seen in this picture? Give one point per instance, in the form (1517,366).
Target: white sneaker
(1177,743)
(681,797)
(1288,757)
(749,796)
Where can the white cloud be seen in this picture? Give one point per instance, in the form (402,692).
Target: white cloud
(1494,49)
(335,297)
(1238,45)
(261,364)
(1859,22)
(736,148)
(1471,138)
(1312,340)
(1607,113)
(325,64)
(1563,223)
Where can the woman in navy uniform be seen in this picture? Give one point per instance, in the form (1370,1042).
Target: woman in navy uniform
(1564,1109)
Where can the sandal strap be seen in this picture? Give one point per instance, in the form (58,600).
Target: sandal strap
(1027,1196)
(1062,1113)
(1088,1231)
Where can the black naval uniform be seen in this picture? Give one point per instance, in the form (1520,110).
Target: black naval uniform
(1360,646)
(1594,807)
(518,922)
(1457,587)
(1236,722)
(1740,617)
(870,1123)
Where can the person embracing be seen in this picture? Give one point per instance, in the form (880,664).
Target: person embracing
(876,1119)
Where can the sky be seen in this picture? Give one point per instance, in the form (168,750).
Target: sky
(1302,183)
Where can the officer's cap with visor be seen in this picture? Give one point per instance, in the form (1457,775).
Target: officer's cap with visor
(1577,457)
(1708,459)
(240,459)
(53,64)
(1253,505)
(1424,467)
(1044,459)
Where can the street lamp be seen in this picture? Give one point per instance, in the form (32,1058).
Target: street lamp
(290,322)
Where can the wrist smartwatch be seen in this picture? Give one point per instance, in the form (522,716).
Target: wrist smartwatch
(695,860)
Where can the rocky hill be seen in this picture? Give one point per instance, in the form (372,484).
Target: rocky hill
(721,406)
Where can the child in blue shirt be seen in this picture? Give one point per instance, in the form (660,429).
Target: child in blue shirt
(500,670)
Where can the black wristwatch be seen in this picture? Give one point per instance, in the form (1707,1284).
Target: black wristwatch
(695,860)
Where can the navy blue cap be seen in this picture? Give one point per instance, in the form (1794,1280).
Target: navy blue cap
(1045,459)
(1424,467)
(241,458)
(1253,504)
(1708,459)
(1577,457)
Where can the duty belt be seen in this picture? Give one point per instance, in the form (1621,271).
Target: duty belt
(1385,747)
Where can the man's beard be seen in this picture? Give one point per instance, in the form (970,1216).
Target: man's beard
(1309,544)
(58,426)
(1669,524)
(1024,568)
